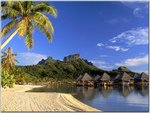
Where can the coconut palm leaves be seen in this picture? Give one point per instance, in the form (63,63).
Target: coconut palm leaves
(8,60)
(24,17)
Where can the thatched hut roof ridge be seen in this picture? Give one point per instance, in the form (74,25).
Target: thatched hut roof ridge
(136,75)
(86,77)
(79,78)
(105,76)
(117,76)
(142,75)
(124,77)
(97,77)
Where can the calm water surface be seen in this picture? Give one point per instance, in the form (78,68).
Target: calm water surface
(105,98)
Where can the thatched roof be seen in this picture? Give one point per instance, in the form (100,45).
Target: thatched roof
(97,78)
(104,77)
(124,77)
(79,78)
(87,77)
(136,75)
(142,76)
(117,76)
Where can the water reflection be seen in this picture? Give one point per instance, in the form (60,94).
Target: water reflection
(85,93)
(143,90)
(125,90)
(90,92)
(105,91)
(124,98)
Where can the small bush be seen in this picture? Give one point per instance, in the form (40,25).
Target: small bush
(7,80)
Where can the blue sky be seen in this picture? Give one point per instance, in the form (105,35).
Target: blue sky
(109,34)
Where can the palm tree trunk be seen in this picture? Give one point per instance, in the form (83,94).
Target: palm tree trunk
(9,38)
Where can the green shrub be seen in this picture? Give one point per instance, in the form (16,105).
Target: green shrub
(7,80)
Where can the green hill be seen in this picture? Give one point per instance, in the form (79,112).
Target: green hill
(67,70)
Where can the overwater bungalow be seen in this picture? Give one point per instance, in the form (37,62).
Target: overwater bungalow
(142,78)
(79,81)
(96,80)
(116,79)
(124,79)
(86,80)
(136,75)
(103,79)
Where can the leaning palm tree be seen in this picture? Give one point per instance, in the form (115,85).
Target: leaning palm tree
(8,60)
(24,17)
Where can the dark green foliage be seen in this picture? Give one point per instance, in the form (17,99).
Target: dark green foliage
(47,61)
(24,78)
(68,70)
(55,70)
(73,57)
(123,68)
(7,80)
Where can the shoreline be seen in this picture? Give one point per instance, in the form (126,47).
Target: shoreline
(17,99)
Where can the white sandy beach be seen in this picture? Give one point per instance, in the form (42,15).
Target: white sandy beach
(16,99)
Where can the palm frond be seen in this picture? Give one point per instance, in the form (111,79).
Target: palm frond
(26,13)
(16,5)
(8,27)
(8,60)
(6,16)
(46,8)
(44,20)
(29,4)
(10,11)
(29,38)
(22,25)
(16,60)
(43,28)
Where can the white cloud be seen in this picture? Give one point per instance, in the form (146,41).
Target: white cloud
(140,8)
(100,44)
(117,48)
(138,36)
(30,58)
(134,61)
(138,12)
(124,49)
(101,64)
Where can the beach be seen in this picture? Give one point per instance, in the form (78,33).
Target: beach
(17,99)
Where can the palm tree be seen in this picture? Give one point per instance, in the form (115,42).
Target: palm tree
(8,60)
(24,17)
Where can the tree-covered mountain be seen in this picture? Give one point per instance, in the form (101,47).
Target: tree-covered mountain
(69,69)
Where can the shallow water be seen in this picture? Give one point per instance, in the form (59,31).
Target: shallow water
(106,98)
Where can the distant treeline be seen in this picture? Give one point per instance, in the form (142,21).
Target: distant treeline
(67,70)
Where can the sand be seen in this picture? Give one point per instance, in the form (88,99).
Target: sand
(16,99)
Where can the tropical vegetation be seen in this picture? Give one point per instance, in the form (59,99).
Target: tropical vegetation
(67,70)
(24,16)
(8,67)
